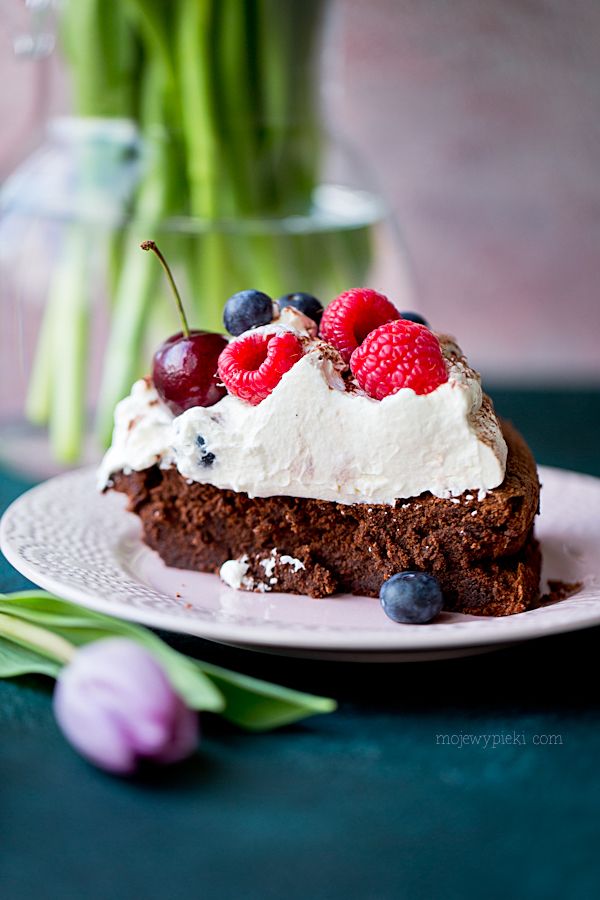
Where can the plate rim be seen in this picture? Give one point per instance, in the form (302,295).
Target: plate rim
(399,639)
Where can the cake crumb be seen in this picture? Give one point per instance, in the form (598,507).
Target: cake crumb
(560,590)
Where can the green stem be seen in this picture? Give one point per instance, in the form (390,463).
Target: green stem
(235,53)
(152,18)
(137,282)
(133,302)
(194,41)
(104,56)
(69,346)
(35,638)
(39,390)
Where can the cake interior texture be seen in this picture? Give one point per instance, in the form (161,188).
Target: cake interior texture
(483,551)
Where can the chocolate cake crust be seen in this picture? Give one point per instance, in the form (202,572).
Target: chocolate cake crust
(482,550)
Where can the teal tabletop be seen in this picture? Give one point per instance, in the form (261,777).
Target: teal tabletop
(363,803)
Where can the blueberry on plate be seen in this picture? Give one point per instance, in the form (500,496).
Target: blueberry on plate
(247,309)
(304,303)
(411,597)
(414,317)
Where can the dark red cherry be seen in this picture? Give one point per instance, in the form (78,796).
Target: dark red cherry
(184,370)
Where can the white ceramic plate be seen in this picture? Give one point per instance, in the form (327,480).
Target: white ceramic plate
(83,546)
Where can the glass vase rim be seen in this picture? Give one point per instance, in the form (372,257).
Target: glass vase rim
(79,127)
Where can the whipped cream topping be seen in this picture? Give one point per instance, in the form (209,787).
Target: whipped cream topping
(142,433)
(317,435)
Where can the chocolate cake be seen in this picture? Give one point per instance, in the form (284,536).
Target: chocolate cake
(482,551)
(329,460)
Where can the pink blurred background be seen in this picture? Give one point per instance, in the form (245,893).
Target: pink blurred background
(481,122)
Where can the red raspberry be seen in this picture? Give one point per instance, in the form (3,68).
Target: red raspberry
(252,366)
(352,316)
(399,355)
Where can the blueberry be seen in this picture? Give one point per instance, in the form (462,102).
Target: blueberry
(305,303)
(247,309)
(206,457)
(415,317)
(411,597)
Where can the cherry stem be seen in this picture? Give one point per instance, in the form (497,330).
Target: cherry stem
(150,245)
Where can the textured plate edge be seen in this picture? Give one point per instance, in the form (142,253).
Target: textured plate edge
(389,643)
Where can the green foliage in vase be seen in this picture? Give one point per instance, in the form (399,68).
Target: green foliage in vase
(225,94)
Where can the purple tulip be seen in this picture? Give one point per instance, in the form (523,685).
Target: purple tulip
(115,704)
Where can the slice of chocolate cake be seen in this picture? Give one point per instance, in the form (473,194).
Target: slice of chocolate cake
(481,550)
(335,462)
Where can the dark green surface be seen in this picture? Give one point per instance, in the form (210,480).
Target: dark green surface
(363,803)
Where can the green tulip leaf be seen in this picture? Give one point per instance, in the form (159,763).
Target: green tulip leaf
(248,702)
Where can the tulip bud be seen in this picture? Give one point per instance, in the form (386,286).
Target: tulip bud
(116,706)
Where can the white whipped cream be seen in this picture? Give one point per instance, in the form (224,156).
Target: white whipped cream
(233,572)
(142,433)
(312,437)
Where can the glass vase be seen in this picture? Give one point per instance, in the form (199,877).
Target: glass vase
(277,204)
